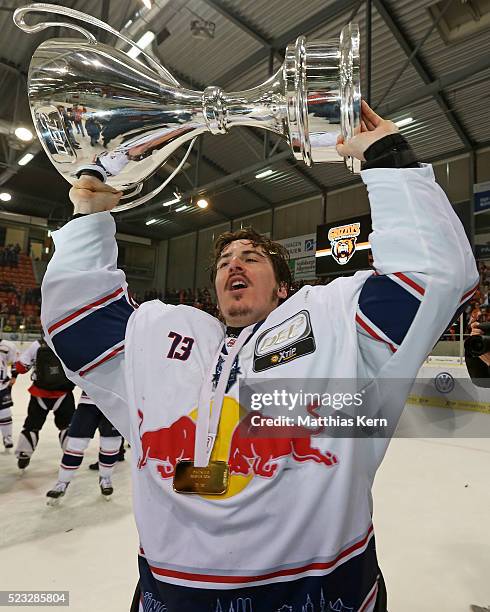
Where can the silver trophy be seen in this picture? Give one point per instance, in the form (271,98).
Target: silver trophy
(97,109)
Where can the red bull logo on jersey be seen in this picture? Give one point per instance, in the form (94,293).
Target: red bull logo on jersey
(247,454)
(168,445)
(253,453)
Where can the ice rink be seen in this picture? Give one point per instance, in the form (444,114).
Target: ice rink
(431,515)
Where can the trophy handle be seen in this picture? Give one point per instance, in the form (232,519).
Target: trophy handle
(148,196)
(42,7)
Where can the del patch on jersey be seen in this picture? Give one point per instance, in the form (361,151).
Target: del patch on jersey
(285,342)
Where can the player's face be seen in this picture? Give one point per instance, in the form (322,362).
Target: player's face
(246,286)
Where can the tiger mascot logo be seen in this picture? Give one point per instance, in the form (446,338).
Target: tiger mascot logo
(343,241)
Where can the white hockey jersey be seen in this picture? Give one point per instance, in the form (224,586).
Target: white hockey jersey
(27,358)
(294,530)
(8,356)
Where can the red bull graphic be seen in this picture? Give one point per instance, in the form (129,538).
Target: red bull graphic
(252,452)
(249,450)
(168,445)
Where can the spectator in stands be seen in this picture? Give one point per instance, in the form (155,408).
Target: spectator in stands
(484,294)
(9,256)
(452,332)
(172,296)
(482,268)
(13,303)
(478,366)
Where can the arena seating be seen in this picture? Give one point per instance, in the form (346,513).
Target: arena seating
(20,297)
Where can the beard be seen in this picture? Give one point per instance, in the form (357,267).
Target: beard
(239,311)
(246,311)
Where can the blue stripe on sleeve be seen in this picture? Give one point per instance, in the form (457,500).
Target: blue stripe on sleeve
(86,339)
(388,306)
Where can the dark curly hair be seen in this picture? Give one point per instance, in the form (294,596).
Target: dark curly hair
(277,254)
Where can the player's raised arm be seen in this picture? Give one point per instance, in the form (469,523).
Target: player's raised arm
(85,303)
(424,267)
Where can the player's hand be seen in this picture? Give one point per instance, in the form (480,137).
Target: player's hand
(372,128)
(12,382)
(90,195)
(476,329)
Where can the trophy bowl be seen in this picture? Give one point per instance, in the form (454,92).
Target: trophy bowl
(99,111)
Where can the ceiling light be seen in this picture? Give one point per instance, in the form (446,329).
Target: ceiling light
(23,134)
(172,201)
(264,174)
(5,197)
(402,122)
(151,222)
(143,42)
(25,159)
(181,208)
(202,203)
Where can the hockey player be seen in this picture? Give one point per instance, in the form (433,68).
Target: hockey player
(274,522)
(85,421)
(8,357)
(50,390)
(120,457)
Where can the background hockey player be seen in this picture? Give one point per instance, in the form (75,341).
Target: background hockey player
(8,357)
(86,420)
(120,457)
(282,522)
(50,390)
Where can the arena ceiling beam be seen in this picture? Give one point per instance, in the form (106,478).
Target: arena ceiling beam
(434,87)
(422,70)
(353,183)
(213,185)
(220,7)
(311,24)
(13,166)
(292,163)
(237,182)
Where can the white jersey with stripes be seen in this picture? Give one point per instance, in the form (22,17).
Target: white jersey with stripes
(8,356)
(295,526)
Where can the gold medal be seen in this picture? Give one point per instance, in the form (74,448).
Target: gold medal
(210,480)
